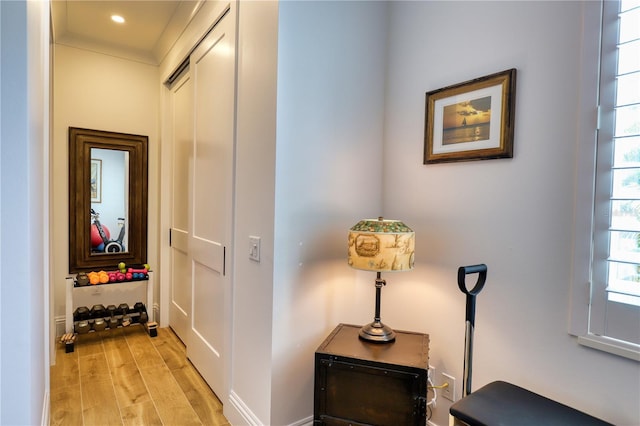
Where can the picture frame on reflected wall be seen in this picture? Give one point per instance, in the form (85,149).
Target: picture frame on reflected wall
(96,181)
(470,121)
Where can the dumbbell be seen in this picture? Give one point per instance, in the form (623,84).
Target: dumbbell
(121,311)
(82,279)
(137,274)
(111,311)
(112,322)
(82,327)
(99,324)
(142,311)
(81,313)
(98,311)
(112,319)
(134,314)
(124,310)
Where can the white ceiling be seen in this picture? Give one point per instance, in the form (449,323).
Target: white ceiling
(151,27)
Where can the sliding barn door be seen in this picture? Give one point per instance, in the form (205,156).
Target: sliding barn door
(180,305)
(204,105)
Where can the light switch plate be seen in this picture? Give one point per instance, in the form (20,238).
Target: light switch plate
(254,248)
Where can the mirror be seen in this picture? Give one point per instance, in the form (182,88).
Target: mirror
(107,199)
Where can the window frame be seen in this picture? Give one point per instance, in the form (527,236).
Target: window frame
(584,319)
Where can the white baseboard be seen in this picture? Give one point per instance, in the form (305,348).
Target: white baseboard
(156,313)
(60,322)
(239,413)
(303,422)
(45,409)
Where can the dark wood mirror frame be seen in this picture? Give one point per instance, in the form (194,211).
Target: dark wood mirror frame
(81,141)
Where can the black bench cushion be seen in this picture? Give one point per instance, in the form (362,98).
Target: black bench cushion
(503,404)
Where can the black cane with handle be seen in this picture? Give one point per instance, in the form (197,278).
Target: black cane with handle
(463,271)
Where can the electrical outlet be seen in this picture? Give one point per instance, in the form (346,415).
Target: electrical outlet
(449,392)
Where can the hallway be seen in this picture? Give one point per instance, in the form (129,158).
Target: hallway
(126,377)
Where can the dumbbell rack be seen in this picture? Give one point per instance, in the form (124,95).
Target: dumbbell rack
(110,294)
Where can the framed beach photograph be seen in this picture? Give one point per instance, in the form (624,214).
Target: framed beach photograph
(96,181)
(473,120)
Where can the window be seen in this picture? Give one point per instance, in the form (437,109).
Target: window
(613,311)
(619,152)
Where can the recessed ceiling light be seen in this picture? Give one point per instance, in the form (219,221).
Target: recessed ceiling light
(117,18)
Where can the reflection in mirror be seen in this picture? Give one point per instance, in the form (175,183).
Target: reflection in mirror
(109,183)
(107,199)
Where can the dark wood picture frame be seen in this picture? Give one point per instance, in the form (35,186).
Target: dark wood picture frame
(473,120)
(81,141)
(96,181)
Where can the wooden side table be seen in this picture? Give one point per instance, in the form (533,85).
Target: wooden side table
(365,383)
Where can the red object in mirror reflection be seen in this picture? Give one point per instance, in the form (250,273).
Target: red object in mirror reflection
(96,239)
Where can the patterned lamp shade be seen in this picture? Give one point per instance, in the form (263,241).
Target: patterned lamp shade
(381,245)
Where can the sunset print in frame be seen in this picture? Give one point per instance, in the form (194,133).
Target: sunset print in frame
(472,120)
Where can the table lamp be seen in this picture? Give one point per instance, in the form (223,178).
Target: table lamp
(383,246)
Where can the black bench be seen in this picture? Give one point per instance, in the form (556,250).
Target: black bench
(503,404)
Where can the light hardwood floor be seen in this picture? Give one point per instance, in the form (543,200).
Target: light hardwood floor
(126,377)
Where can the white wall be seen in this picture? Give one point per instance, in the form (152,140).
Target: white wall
(100,92)
(331,63)
(515,215)
(299,140)
(24,155)
(255,200)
